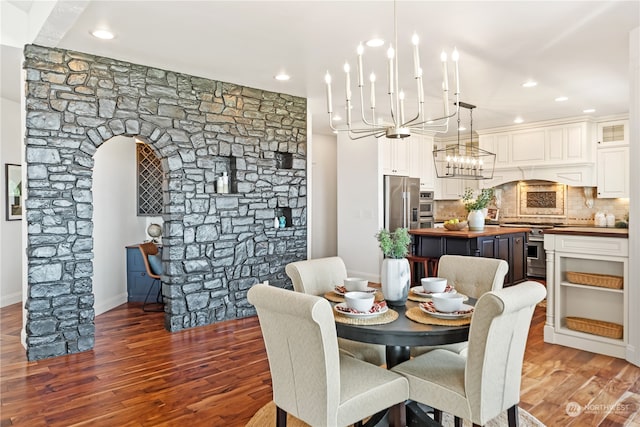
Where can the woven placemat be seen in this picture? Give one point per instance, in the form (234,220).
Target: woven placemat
(420,316)
(387,317)
(419,298)
(333,297)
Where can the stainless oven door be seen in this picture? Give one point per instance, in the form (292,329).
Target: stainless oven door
(425,223)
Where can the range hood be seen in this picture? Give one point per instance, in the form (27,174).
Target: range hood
(575,175)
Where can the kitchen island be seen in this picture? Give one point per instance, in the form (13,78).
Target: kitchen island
(509,244)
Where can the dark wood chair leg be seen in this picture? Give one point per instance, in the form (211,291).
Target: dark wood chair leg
(457,422)
(281,417)
(512,416)
(146,299)
(358,424)
(437,415)
(398,415)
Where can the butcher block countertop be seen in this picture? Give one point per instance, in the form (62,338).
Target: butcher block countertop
(590,231)
(489,230)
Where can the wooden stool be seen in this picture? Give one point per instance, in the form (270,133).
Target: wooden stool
(426,263)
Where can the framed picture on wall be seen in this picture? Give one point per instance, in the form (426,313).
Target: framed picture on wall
(13,191)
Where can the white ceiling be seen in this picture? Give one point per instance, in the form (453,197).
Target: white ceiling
(577,49)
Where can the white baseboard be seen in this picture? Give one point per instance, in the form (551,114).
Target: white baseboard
(103,306)
(11,298)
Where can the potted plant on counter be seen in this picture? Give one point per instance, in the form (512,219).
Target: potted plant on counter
(395,276)
(476,206)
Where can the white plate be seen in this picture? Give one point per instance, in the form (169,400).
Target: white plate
(359,315)
(441,315)
(419,290)
(369,290)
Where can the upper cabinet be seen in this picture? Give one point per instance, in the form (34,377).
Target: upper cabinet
(421,161)
(612,167)
(613,133)
(395,156)
(556,152)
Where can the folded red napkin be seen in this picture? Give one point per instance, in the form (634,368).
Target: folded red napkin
(376,308)
(428,306)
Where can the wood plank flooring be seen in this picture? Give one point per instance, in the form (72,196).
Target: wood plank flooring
(218,375)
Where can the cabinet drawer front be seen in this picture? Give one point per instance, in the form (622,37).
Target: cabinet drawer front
(593,245)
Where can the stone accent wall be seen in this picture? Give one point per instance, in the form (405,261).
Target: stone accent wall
(215,246)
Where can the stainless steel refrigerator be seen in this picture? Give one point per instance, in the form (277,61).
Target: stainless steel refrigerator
(401,202)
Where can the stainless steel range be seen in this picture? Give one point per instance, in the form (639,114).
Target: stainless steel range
(536,258)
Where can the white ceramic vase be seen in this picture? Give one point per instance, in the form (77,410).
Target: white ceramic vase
(475,219)
(396,280)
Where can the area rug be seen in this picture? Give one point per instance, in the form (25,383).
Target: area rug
(266,417)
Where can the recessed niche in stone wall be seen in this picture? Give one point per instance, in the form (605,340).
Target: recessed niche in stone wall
(284,160)
(286,212)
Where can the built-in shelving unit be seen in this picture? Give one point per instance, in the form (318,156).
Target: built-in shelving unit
(593,255)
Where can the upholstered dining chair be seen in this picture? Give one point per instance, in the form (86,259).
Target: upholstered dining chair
(153,264)
(311,379)
(321,275)
(485,382)
(472,276)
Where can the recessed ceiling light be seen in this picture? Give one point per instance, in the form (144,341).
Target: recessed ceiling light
(375,42)
(102,34)
(589,110)
(518,120)
(283,77)
(530,83)
(561,99)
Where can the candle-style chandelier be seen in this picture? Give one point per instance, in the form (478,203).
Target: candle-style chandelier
(400,126)
(464,161)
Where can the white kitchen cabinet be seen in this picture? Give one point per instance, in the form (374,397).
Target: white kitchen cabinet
(613,133)
(395,156)
(553,151)
(594,255)
(613,172)
(421,161)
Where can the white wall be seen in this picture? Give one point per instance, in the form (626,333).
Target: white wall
(633,350)
(116,223)
(359,207)
(323,190)
(10,231)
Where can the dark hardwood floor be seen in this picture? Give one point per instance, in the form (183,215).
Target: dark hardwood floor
(218,375)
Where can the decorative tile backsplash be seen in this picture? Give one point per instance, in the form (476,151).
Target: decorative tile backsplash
(576,206)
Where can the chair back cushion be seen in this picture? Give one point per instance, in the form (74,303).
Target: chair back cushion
(471,275)
(317,276)
(300,337)
(150,250)
(497,339)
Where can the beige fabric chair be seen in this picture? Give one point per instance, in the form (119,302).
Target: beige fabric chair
(486,382)
(319,276)
(311,379)
(472,276)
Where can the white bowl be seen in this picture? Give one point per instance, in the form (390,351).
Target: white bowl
(433,284)
(356,284)
(447,302)
(360,301)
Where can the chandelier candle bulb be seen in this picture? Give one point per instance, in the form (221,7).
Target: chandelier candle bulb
(372,79)
(327,79)
(347,69)
(416,55)
(360,73)
(445,78)
(401,96)
(390,55)
(455,56)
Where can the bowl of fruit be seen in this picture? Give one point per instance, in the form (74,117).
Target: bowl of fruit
(454,224)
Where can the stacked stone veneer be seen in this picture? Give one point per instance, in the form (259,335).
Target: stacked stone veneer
(215,246)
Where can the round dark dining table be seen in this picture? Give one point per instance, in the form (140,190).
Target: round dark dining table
(403,333)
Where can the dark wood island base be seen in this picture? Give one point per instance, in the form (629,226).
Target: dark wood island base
(509,244)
